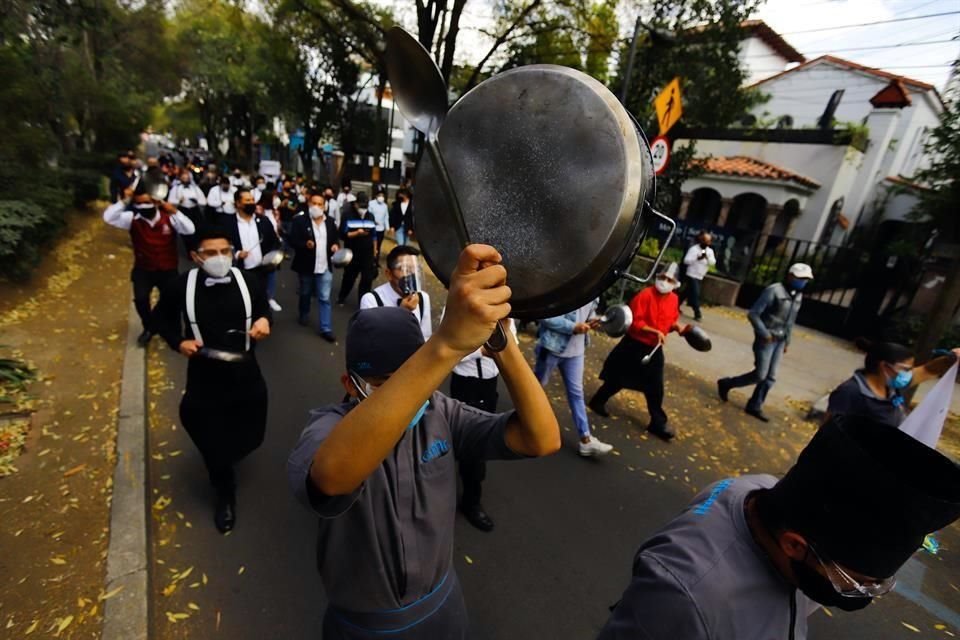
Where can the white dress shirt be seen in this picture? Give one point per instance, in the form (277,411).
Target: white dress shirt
(222,202)
(186,195)
(381,214)
(333,211)
(320,265)
(119,216)
(250,242)
(392,299)
(697,267)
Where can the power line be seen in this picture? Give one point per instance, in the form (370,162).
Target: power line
(870,24)
(879,46)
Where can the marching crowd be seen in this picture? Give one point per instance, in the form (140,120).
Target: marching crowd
(379,467)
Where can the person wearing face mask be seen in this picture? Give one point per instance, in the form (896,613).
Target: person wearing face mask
(357,230)
(315,238)
(402,288)
(380,470)
(401,217)
(751,557)
(214,315)
(237,180)
(346,196)
(188,198)
(259,186)
(698,260)
(333,207)
(381,217)
(253,236)
(637,361)
(877,391)
(153,228)
(772,316)
(220,199)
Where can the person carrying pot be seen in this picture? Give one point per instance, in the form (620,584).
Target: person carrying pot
(772,316)
(752,557)
(315,239)
(402,288)
(380,469)
(876,391)
(637,361)
(216,308)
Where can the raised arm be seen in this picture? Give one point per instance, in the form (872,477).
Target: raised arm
(533,429)
(117,215)
(179,220)
(934,368)
(368,433)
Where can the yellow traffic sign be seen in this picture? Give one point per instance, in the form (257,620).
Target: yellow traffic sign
(668,104)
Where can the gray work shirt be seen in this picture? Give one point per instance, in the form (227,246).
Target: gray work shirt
(390,542)
(702,577)
(854,397)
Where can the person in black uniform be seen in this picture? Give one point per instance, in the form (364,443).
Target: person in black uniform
(214,315)
(357,229)
(252,236)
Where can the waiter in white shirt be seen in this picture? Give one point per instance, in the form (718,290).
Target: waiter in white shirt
(221,198)
(252,236)
(474,382)
(402,288)
(698,260)
(333,207)
(188,197)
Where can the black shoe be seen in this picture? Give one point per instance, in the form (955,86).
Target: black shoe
(598,408)
(225,515)
(329,337)
(476,516)
(340,303)
(664,432)
(757,413)
(144,338)
(303,321)
(698,317)
(723,390)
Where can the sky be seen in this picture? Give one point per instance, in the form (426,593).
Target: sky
(929,63)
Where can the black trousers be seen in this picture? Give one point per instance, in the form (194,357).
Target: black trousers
(224,411)
(143,283)
(366,270)
(691,293)
(623,370)
(481,394)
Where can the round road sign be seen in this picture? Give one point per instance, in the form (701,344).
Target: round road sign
(660,150)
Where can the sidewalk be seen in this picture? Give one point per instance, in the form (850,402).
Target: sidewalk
(814,364)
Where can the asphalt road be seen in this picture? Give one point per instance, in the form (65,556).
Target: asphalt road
(566,528)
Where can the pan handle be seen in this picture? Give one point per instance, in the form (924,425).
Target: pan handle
(626,275)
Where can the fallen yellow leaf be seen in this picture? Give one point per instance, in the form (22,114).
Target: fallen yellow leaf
(110,594)
(910,626)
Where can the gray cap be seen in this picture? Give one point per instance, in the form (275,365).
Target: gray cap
(379,340)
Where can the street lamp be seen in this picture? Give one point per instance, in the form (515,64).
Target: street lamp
(655,35)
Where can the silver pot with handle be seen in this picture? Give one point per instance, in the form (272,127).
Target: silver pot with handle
(551,170)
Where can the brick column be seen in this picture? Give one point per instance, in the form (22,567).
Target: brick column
(685,199)
(725,204)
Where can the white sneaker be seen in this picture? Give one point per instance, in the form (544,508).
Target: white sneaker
(594,448)
(274,305)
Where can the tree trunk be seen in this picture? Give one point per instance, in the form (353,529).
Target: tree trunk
(940,318)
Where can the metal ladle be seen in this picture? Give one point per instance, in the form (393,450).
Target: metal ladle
(421,96)
(647,358)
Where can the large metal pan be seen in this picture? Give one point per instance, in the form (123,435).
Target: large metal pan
(551,170)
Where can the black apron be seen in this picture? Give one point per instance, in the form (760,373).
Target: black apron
(624,367)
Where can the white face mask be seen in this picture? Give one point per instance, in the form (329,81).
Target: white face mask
(217,266)
(302,198)
(663,286)
(380,198)
(316,212)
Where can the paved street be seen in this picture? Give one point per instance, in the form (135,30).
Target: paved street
(566,530)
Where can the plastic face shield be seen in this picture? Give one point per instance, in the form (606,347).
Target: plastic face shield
(408,274)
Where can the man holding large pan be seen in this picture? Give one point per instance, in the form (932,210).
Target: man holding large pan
(380,470)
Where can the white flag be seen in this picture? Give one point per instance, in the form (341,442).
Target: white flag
(926,422)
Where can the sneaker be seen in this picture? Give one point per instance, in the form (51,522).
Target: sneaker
(594,448)
(275,305)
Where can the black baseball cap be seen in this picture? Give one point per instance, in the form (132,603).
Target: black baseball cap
(379,340)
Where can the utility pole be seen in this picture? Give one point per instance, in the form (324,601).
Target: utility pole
(633,54)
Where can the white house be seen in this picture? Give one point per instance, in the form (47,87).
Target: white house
(843,131)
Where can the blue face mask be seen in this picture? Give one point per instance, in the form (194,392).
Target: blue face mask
(798,284)
(419,415)
(901,381)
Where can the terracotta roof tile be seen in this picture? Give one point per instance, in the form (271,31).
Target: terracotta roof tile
(772,39)
(892,96)
(747,167)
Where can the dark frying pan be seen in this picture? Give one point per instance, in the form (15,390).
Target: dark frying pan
(551,170)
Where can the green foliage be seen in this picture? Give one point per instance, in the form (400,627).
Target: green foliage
(702,50)
(859,133)
(906,329)
(24,226)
